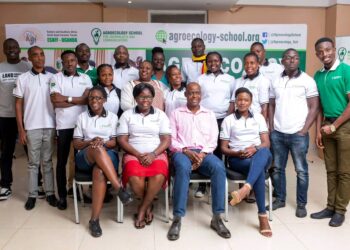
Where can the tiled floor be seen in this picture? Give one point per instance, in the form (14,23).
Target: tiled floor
(48,228)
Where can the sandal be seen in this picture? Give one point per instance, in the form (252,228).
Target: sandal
(236,197)
(264,226)
(149,216)
(139,224)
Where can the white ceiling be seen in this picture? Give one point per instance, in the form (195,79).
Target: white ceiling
(194,4)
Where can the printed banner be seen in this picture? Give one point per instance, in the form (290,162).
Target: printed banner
(232,41)
(343,48)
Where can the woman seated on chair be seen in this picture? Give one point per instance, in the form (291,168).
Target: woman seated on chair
(95,138)
(144,134)
(245,140)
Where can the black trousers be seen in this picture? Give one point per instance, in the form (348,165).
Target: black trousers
(64,139)
(8,136)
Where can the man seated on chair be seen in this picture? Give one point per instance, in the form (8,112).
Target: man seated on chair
(194,138)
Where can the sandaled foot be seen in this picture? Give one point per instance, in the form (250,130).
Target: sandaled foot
(149,215)
(264,226)
(139,221)
(237,196)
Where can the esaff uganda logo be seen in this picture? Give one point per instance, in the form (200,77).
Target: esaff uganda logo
(96,35)
(342,53)
(162,36)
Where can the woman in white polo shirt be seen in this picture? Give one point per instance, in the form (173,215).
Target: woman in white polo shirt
(95,138)
(105,79)
(144,134)
(175,97)
(245,140)
(145,75)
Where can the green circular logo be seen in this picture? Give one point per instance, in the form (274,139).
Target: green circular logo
(161,36)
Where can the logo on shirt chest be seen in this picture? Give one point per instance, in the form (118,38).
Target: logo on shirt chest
(106,125)
(83,83)
(336,77)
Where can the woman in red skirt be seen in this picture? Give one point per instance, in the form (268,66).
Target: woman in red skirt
(144,134)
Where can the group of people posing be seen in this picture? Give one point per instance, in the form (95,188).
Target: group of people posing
(175,121)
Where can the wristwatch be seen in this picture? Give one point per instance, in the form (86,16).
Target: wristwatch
(257,148)
(333,128)
(70,99)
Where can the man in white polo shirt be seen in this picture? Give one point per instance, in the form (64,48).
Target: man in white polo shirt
(36,129)
(294,105)
(270,70)
(69,92)
(123,71)
(192,68)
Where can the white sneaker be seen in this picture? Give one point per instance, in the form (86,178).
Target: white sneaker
(5,193)
(200,191)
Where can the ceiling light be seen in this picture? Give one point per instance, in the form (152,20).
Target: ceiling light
(129,2)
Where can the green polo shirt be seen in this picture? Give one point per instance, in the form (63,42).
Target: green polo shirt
(91,72)
(333,87)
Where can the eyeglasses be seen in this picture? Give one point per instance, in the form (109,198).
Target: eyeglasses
(145,98)
(97,98)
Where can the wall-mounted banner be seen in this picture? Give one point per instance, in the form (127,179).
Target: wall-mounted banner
(343,48)
(233,41)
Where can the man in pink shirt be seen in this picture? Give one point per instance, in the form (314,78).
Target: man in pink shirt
(194,138)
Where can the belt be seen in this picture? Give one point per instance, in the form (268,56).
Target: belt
(331,119)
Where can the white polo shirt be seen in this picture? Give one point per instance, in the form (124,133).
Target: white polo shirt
(144,131)
(73,86)
(243,132)
(33,88)
(174,99)
(122,76)
(113,103)
(271,70)
(291,96)
(259,86)
(89,126)
(217,92)
(190,70)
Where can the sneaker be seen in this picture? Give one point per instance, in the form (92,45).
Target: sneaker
(200,191)
(51,199)
(41,193)
(30,204)
(5,193)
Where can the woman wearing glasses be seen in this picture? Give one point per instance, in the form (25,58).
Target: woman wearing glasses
(144,134)
(95,138)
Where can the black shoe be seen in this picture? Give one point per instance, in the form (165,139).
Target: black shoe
(217,224)
(276,204)
(30,204)
(325,213)
(108,197)
(86,198)
(95,229)
(124,196)
(337,220)
(41,192)
(174,230)
(62,204)
(51,199)
(301,211)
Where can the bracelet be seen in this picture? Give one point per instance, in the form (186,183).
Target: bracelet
(257,148)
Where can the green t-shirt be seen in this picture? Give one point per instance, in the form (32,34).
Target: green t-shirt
(92,73)
(333,87)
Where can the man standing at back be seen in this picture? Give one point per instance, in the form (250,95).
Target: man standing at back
(192,69)
(294,105)
(333,130)
(69,92)
(123,71)
(83,53)
(9,71)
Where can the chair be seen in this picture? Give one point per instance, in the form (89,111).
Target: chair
(120,214)
(237,177)
(85,178)
(198,178)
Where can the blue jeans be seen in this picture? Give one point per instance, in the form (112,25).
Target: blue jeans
(212,167)
(254,168)
(83,164)
(298,146)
